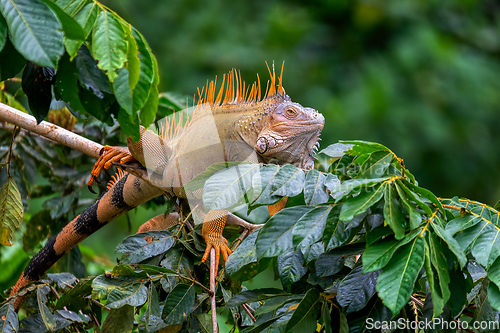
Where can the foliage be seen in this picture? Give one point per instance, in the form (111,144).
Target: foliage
(359,239)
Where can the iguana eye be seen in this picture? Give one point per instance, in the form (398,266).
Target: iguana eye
(291,113)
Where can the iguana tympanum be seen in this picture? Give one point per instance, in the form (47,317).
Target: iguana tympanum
(233,124)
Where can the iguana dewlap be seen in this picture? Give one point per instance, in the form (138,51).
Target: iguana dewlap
(231,124)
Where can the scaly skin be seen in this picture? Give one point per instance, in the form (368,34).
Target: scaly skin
(228,127)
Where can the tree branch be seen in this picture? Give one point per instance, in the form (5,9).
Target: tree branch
(49,131)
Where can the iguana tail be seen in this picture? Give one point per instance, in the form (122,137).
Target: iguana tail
(126,193)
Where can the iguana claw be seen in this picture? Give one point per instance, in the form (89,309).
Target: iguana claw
(109,155)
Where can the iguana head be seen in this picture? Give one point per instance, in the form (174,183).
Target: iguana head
(291,134)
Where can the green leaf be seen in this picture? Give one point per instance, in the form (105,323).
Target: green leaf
(329,263)
(486,247)
(262,184)
(494,296)
(9,322)
(136,248)
(153,308)
(376,165)
(72,29)
(66,85)
(35,31)
(243,264)
(360,147)
(109,44)
(275,237)
(309,228)
(133,294)
(377,255)
(122,90)
(15,61)
(415,216)
(494,272)
(314,188)
(336,150)
(48,318)
(356,289)
(392,212)
(304,318)
(205,321)
(326,317)
(90,75)
(426,194)
(291,267)
(86,17)
(227,187)
(461,223)
(255,295)
(119,320)
(396,281)
(3,32)
(360,203)
(37,84)
(179,304)
(147,72)
(437,274)
(11,211)
(289,181)
(450,241)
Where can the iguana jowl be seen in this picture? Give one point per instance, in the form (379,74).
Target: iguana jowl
(268,130)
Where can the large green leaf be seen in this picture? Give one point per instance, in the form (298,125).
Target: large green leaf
(356,289)
(3,32)
(35,31)
(275,237)
(461,223)
(136,248)
(449,240)
(119,320)
(486,247)
(437,274)
(336,150)
(309,228)
(11,211)
(291,267)
(360,203)
(48,317)
(262,183)
(9,322)
(72,29)
(122,90)
(109,44)
(494,272)
(304,317)
(147,73)
(360,147)
(376,165)
(179,304)
(243,263)
(393,213)
(289,181)
(314,188)
(133,294)
(255,295)
(396,281)
(86,17)
(66,85)
(227,187)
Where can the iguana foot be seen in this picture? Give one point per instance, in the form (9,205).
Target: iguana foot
(109,155)
(214,224)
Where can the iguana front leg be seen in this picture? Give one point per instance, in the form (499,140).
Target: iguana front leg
(213,226)
(109,155)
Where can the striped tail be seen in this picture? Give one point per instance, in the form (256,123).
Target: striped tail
(126,193)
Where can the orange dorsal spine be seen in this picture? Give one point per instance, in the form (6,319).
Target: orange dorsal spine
(233,90)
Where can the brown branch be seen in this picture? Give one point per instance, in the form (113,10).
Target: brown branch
(213,272)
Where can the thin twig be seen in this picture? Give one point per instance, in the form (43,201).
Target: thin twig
(248,310)
(10,150)
(213,272)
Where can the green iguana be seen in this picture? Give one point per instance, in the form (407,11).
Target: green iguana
(233,124)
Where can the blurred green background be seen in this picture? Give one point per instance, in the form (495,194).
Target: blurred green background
(421,77)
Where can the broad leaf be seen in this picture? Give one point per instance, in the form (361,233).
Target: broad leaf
(48,317)
(119,320)
(309,228)
(291,267)
(137,249)
(393,213)
(35,31)
(376,165)
(133,294)
(86,17)
(179,304)
(314,188)
(336,150)
(11,211)
(71,28)
(275,237)
(356,289)
(304,317)
(396,281)
(360,203)
(9,322)
(450,241)
(243,263)
(255,295)
(289,181)
(486,247)
(109,44)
